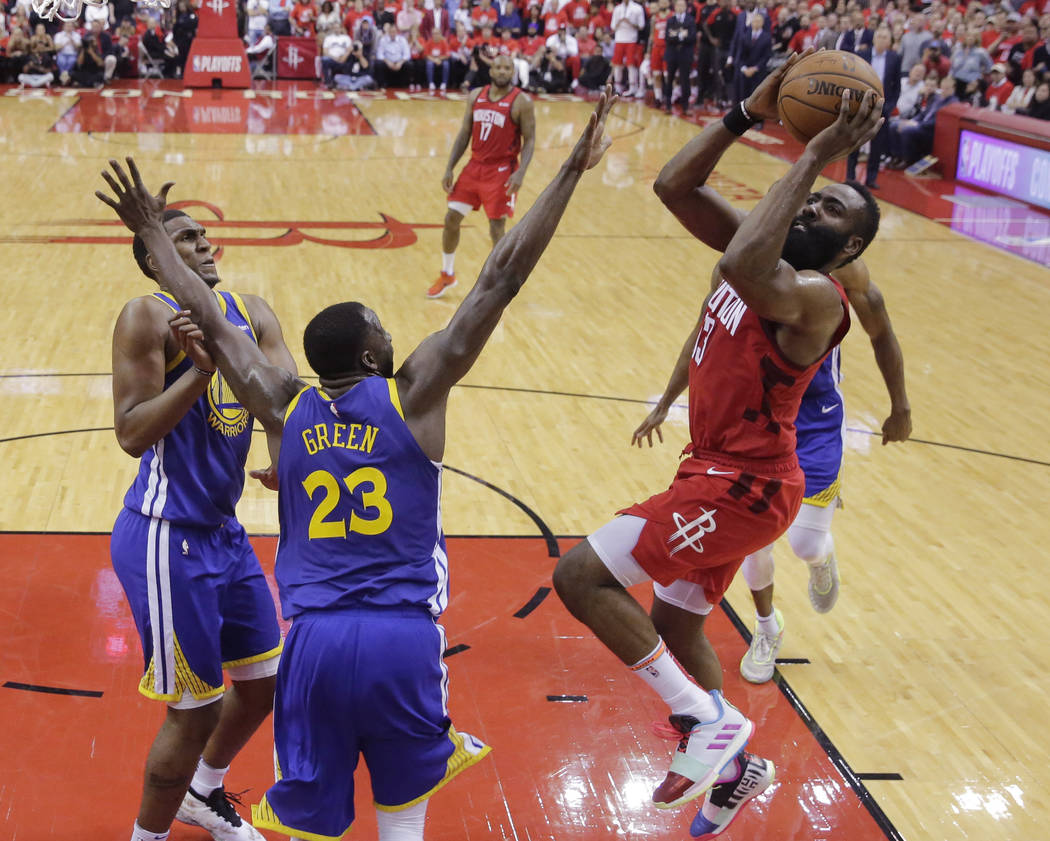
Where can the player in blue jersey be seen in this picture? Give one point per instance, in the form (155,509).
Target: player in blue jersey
(361,565)
(195,587)
(819,428)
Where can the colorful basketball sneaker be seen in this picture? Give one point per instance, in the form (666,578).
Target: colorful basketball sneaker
(216,814)
(704,749)
(444,281)
(724,802)
(824,585)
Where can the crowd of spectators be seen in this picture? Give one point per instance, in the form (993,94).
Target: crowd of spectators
(991,55)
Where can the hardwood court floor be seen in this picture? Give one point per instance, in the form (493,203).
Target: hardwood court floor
(930,667)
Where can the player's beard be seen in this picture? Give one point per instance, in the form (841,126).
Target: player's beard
(812,248)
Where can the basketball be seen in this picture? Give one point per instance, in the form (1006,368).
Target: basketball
(811,92)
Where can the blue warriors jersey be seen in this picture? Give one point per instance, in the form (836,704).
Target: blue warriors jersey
(195,474)
(819,428)
(359,506)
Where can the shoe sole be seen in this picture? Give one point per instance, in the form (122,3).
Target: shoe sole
(444,289)
(757,679)
(702,786)
(736,814)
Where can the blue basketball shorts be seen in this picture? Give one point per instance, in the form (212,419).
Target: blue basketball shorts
(201,604)
(360,682)
(819,428)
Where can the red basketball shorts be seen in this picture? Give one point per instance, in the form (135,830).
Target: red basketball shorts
(485,184)
(656,59)
(629,55)
(715,513)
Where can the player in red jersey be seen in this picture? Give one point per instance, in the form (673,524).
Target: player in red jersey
(771,317)
(499,123)
(657,65)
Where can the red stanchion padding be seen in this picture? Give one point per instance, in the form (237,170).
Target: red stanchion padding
(217,56)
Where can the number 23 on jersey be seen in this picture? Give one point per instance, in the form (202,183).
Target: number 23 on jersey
(328,492)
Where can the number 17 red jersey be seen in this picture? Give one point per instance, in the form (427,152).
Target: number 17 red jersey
(495,138)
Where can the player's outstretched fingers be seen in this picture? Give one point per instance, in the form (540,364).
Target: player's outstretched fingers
(119,170)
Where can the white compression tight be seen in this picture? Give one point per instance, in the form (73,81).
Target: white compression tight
(402,825)
(810,539)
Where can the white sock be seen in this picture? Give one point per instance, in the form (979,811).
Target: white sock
(448,262)
(768,624)
(667,679)
(632,79)
(207,779)
(140,834)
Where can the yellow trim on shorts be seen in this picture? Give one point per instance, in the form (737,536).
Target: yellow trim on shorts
(292,403)
(395,398)
(459,762)
(826,496)
(257,658)
(185,679)
(264,817)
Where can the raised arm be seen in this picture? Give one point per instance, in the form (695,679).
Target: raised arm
(262,388)
(443,358)
(870,307)
(682,183)
(459,145)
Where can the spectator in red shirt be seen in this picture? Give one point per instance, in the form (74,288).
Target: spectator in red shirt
(304,18)
(437,52)
(484,13)
(999,88)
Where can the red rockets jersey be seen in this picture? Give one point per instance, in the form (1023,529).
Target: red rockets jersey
(660,27)
(743,394)
(495,138)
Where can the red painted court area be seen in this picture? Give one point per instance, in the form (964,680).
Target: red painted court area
(560,769)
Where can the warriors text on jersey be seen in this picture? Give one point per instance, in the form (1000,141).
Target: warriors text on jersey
(495,138)
(743,394)
(359,506)
(195,474)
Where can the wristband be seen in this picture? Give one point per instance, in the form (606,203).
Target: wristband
(737,120)
(202,372)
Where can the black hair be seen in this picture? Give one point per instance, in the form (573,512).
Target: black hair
(869,225)
(138,247)
(336,337)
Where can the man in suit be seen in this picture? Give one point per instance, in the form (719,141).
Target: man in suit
(755,51)
(827,32)
(678,54)
(887,64)
(857,36)
(748,10)
(911,139)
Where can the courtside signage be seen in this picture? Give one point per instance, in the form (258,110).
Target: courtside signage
(1020,172)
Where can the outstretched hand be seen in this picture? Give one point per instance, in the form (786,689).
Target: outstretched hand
(594,141)
(134,204)
(762,104)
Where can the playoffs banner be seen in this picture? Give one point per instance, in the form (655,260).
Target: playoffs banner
(217,56)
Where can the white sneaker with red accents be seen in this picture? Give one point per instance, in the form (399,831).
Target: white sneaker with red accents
(704,749)
(724,802)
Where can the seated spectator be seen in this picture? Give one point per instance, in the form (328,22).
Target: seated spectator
(355,13)
(509,20)
(36,71)
(183,31)
(367,34)
(578,14)
(417,63)
(1040,106)
(970,61)
(512,49)
(547,73)
(484,13)
(484,49)
(385,12)
(567,49)
(90,65)
(437,53)
(67,44)
(256,12)
(303,17)
(258,51)
(911,91)
(408,17)
(533,25)
(597,66)
(41,43)
(335,52)
(460,54)
(109,52)
(911,140)
(936,62)
(999,88)
(280,17)
(1021,96)
(356,73)
(327,20)
(435,16)
(391,56)
(102,13)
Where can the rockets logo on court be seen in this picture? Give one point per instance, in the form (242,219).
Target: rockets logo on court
(218,6)
(227,415)
(691,532)
(293,58)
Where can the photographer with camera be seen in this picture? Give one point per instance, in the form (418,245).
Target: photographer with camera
(548,73)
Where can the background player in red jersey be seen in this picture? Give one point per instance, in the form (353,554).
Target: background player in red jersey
(762,335)
(499,122)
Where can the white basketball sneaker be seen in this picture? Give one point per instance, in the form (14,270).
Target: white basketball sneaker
(724,802)
(758,664)
(216,814)
(704,749)
(824,585)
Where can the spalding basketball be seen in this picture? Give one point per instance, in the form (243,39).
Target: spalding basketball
(811,92)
